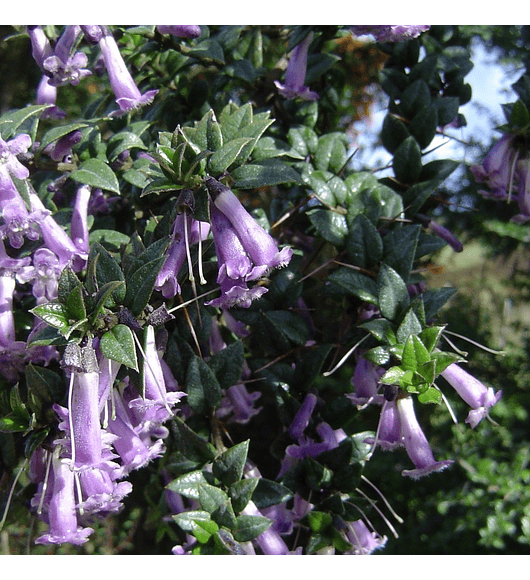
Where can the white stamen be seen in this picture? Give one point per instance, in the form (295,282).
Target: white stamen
(398,518)
(11,491)
(345,357)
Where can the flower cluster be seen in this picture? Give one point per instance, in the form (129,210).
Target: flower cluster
(105,433)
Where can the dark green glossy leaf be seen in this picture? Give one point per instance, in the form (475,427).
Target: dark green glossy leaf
(118,345)
(227,364)
(190,444)
(268,493)
(228,467)
(249,527)
(188,484)
(203,387)
(241,492)
(55,314)
(264,172)
(97,173)
(392,293)
(407,161)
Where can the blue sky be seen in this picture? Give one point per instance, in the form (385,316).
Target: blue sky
(491,88)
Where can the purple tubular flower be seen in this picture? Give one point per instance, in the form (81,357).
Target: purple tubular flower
(446,235)
(43,274)
(62,509)
(134,451)
(415,442)
(155,406)
(240,403)
(166,280)
(303,416)
(389,431)
(390,33)
(7,320)
(497,169)
(236,293)
(57,240)
(479,397)
(41,48)
(231,255)
(125,90)
(362,539)
(47,95)
(295,74)
(61,66)
(84,415)
(365,382)
(79,223)
(102,495)
(259,245)
(92,32)
(63,146)
(182,31)
(9,164)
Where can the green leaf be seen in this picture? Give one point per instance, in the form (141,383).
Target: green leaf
(13,423)
(55,314)
(211,497)
(331,152)
(393,132)
(424,125)
(348,281)
(208,49)
(409,325)
(303,140)
(46,336)
(198,523)
(330,225)
(263,173)
(407,161)
(102,297)
(268,493)
(431,336)
(364,245)
(11,121)
(101,269)
(204,391)
(414,353)
(44,386)
(228,467)
(392,293)
(381,328)
(249,527)
(241,491)
(122,141)
(188,484)
(227,364)
(97,173)
(447,109)
(111,240)
(416,96)
(434,300)
(291,325)
(140,285)
(232,118)
(118,345)
(268,147)
(190,444)
(430,395)
(221,160)
(319,521)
